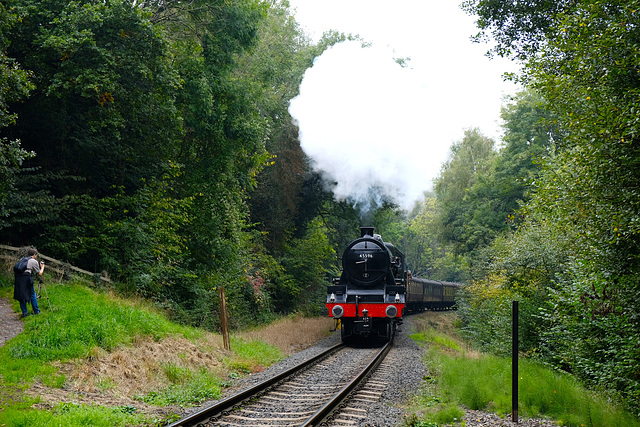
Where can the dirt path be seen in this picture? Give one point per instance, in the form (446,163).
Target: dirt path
(10,323)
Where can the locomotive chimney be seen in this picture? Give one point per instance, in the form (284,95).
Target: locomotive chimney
(366,231)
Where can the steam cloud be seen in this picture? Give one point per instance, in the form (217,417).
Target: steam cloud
(365,122)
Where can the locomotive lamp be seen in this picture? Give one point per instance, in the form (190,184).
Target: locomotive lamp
(391,311)
(332,298)
(397,297)
(337,311)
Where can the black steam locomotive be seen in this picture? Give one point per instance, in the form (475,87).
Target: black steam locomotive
(368,298)
(374,289)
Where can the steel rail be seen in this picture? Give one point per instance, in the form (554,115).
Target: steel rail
(230,401)
(322,413)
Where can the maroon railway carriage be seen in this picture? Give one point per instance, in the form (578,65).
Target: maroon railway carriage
(426,294)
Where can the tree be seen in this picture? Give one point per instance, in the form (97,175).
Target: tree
(499,193)
(519,28)
(224,146)
(103,112)
(589,76)
(279,59)
(308,261)
(288,196)
(102,116)
(471,160)
(427,255)
(586,68)
(131,121)
(14,85)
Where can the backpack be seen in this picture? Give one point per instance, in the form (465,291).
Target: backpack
(21,266)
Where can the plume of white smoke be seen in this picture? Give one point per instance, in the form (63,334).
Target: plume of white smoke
(365,122)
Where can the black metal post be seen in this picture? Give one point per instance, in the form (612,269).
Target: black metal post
(514,365)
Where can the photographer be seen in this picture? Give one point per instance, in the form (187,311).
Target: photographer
(23,289)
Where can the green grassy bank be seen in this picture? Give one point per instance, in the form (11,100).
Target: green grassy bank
(79,328)
(462,378)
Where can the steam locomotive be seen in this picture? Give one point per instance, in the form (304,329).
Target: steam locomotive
(369,296)
(375,288)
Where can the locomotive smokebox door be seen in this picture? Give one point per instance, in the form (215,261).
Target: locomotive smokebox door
(366,261)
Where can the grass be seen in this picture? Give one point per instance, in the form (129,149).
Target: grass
(68,414)
(254,355)
(189,390)
(87,330)
(465,378)
(81,323)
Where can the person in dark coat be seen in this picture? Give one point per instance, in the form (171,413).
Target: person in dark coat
(23,289)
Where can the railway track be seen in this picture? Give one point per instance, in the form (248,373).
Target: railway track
(320,391)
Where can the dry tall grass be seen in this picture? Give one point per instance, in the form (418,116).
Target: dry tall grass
(292,334)
(113,378)
(442,321)
(138,369)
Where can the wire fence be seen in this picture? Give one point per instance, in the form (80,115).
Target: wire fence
(58,270)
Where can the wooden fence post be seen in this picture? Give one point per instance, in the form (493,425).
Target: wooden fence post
(223,319)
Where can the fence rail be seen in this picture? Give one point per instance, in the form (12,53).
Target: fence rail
(63,270)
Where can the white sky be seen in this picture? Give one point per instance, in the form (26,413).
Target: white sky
(366,121)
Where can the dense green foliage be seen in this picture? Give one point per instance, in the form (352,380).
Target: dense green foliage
(134,136)
(460,375)
(14,84)
(469,163)
(573,260)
